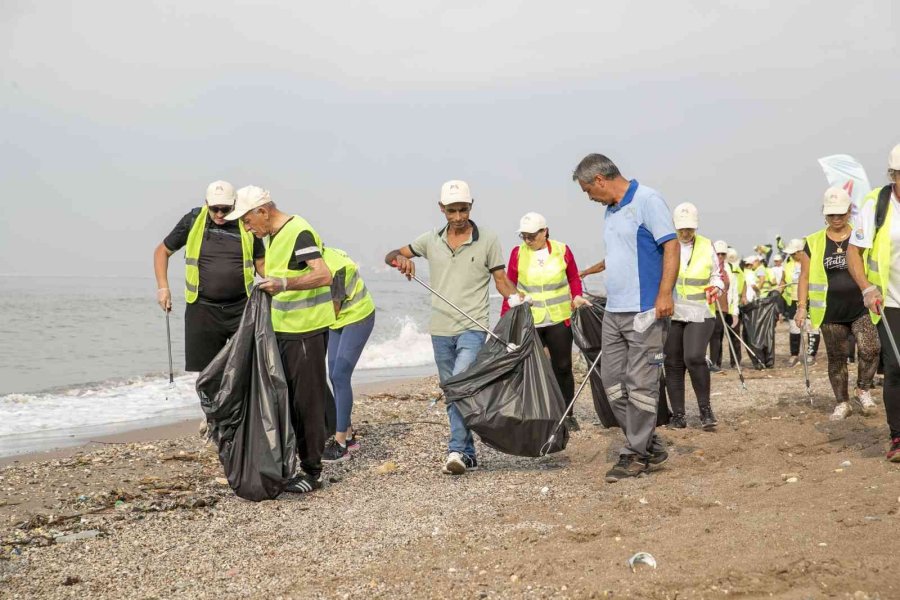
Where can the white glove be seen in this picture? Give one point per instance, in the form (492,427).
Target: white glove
(514,301)
(527,299)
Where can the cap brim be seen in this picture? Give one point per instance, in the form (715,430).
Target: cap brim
(236,214)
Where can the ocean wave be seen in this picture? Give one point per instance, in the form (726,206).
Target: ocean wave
(410,347)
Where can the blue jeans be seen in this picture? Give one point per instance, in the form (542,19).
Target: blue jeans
(344,347)
(453,355)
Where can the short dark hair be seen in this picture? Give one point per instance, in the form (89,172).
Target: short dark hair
(593,165)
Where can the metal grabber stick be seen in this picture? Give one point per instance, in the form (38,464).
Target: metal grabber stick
(546,447)
(805,353)
(734,357)
(169,343)
(509,345)
(890,336)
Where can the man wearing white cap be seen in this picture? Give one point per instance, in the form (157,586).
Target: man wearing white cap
(641,267)
(877,228)
(545,270)
(299,282)
(220,260)
(792,279)
(463,259)
(737,297)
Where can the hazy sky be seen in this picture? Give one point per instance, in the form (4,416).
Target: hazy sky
(116,115)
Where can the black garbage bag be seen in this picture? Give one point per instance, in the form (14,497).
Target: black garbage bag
(759,328)
(587,329)
(244,395)
(511,399)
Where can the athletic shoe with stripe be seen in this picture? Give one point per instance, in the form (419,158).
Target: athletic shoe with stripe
(303,484)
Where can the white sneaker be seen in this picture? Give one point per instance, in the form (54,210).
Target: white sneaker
(864,400)
(454,464)
(841,411)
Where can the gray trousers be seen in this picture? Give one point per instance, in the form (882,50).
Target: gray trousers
(630,373)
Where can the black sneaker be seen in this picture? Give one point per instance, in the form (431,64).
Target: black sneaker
(715,369)
(629,465)
(677,421)
(303,484)
(471,462)
(572,423)
(656,460)
(707,419)
(334,452)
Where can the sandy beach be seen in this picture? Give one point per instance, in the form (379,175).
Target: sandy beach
(778,502)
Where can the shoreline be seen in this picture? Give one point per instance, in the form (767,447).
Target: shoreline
(182,427)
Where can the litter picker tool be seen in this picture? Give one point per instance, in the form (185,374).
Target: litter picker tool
(743,343)
(546,447)
(734,357)
(805,353)
(509,346)
(169,343)
(890,336)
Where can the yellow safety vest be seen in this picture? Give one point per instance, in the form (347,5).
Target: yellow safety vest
(769,282)
(694,279)
(192,257)
(878,258)
(296,311)
(359,304)
(789,294)
(547,284)
(818,278)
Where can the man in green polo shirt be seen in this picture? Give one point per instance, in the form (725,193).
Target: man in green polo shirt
(462,260)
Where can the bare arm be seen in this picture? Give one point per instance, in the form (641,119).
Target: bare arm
(597,268)
(506,287)
(871,293)
(161,270)
(260,264)
(665,303)
(319,276)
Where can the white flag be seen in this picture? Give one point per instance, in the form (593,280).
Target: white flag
(844,171)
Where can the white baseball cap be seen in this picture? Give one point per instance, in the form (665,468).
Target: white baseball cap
(777,257)
(894,159)
(248,198)
(751,259)
(732,256)
(836,201)
(685,216)
(455,191)
(219,193)
(531,223)
(794,246)
(720,246)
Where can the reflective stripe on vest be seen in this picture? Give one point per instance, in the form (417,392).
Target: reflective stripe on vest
(359,303)
(192,256)
(878,257)
(296,311)
(694,279)
(818,278)
(547,284)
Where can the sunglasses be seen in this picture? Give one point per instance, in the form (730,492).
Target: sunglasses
(222,210)
(836,216)
(530,236)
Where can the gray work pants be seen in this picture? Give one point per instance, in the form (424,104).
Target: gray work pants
(630,373)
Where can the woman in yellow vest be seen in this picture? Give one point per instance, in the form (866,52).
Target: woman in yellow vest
(836,306)
(354,310)
(698,283)
(877,231)
(737,297)
(792,271)
(545,270)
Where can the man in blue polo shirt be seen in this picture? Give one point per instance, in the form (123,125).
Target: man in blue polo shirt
(641,267)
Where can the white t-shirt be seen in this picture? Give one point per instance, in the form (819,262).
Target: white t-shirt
(864,235)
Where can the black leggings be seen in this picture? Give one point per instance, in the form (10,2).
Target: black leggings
(558,340)
(891,370)
(685,350)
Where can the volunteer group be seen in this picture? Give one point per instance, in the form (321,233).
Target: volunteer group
(697,300)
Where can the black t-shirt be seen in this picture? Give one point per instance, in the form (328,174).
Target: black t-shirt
(843,303)
(305,249)
(221,261)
